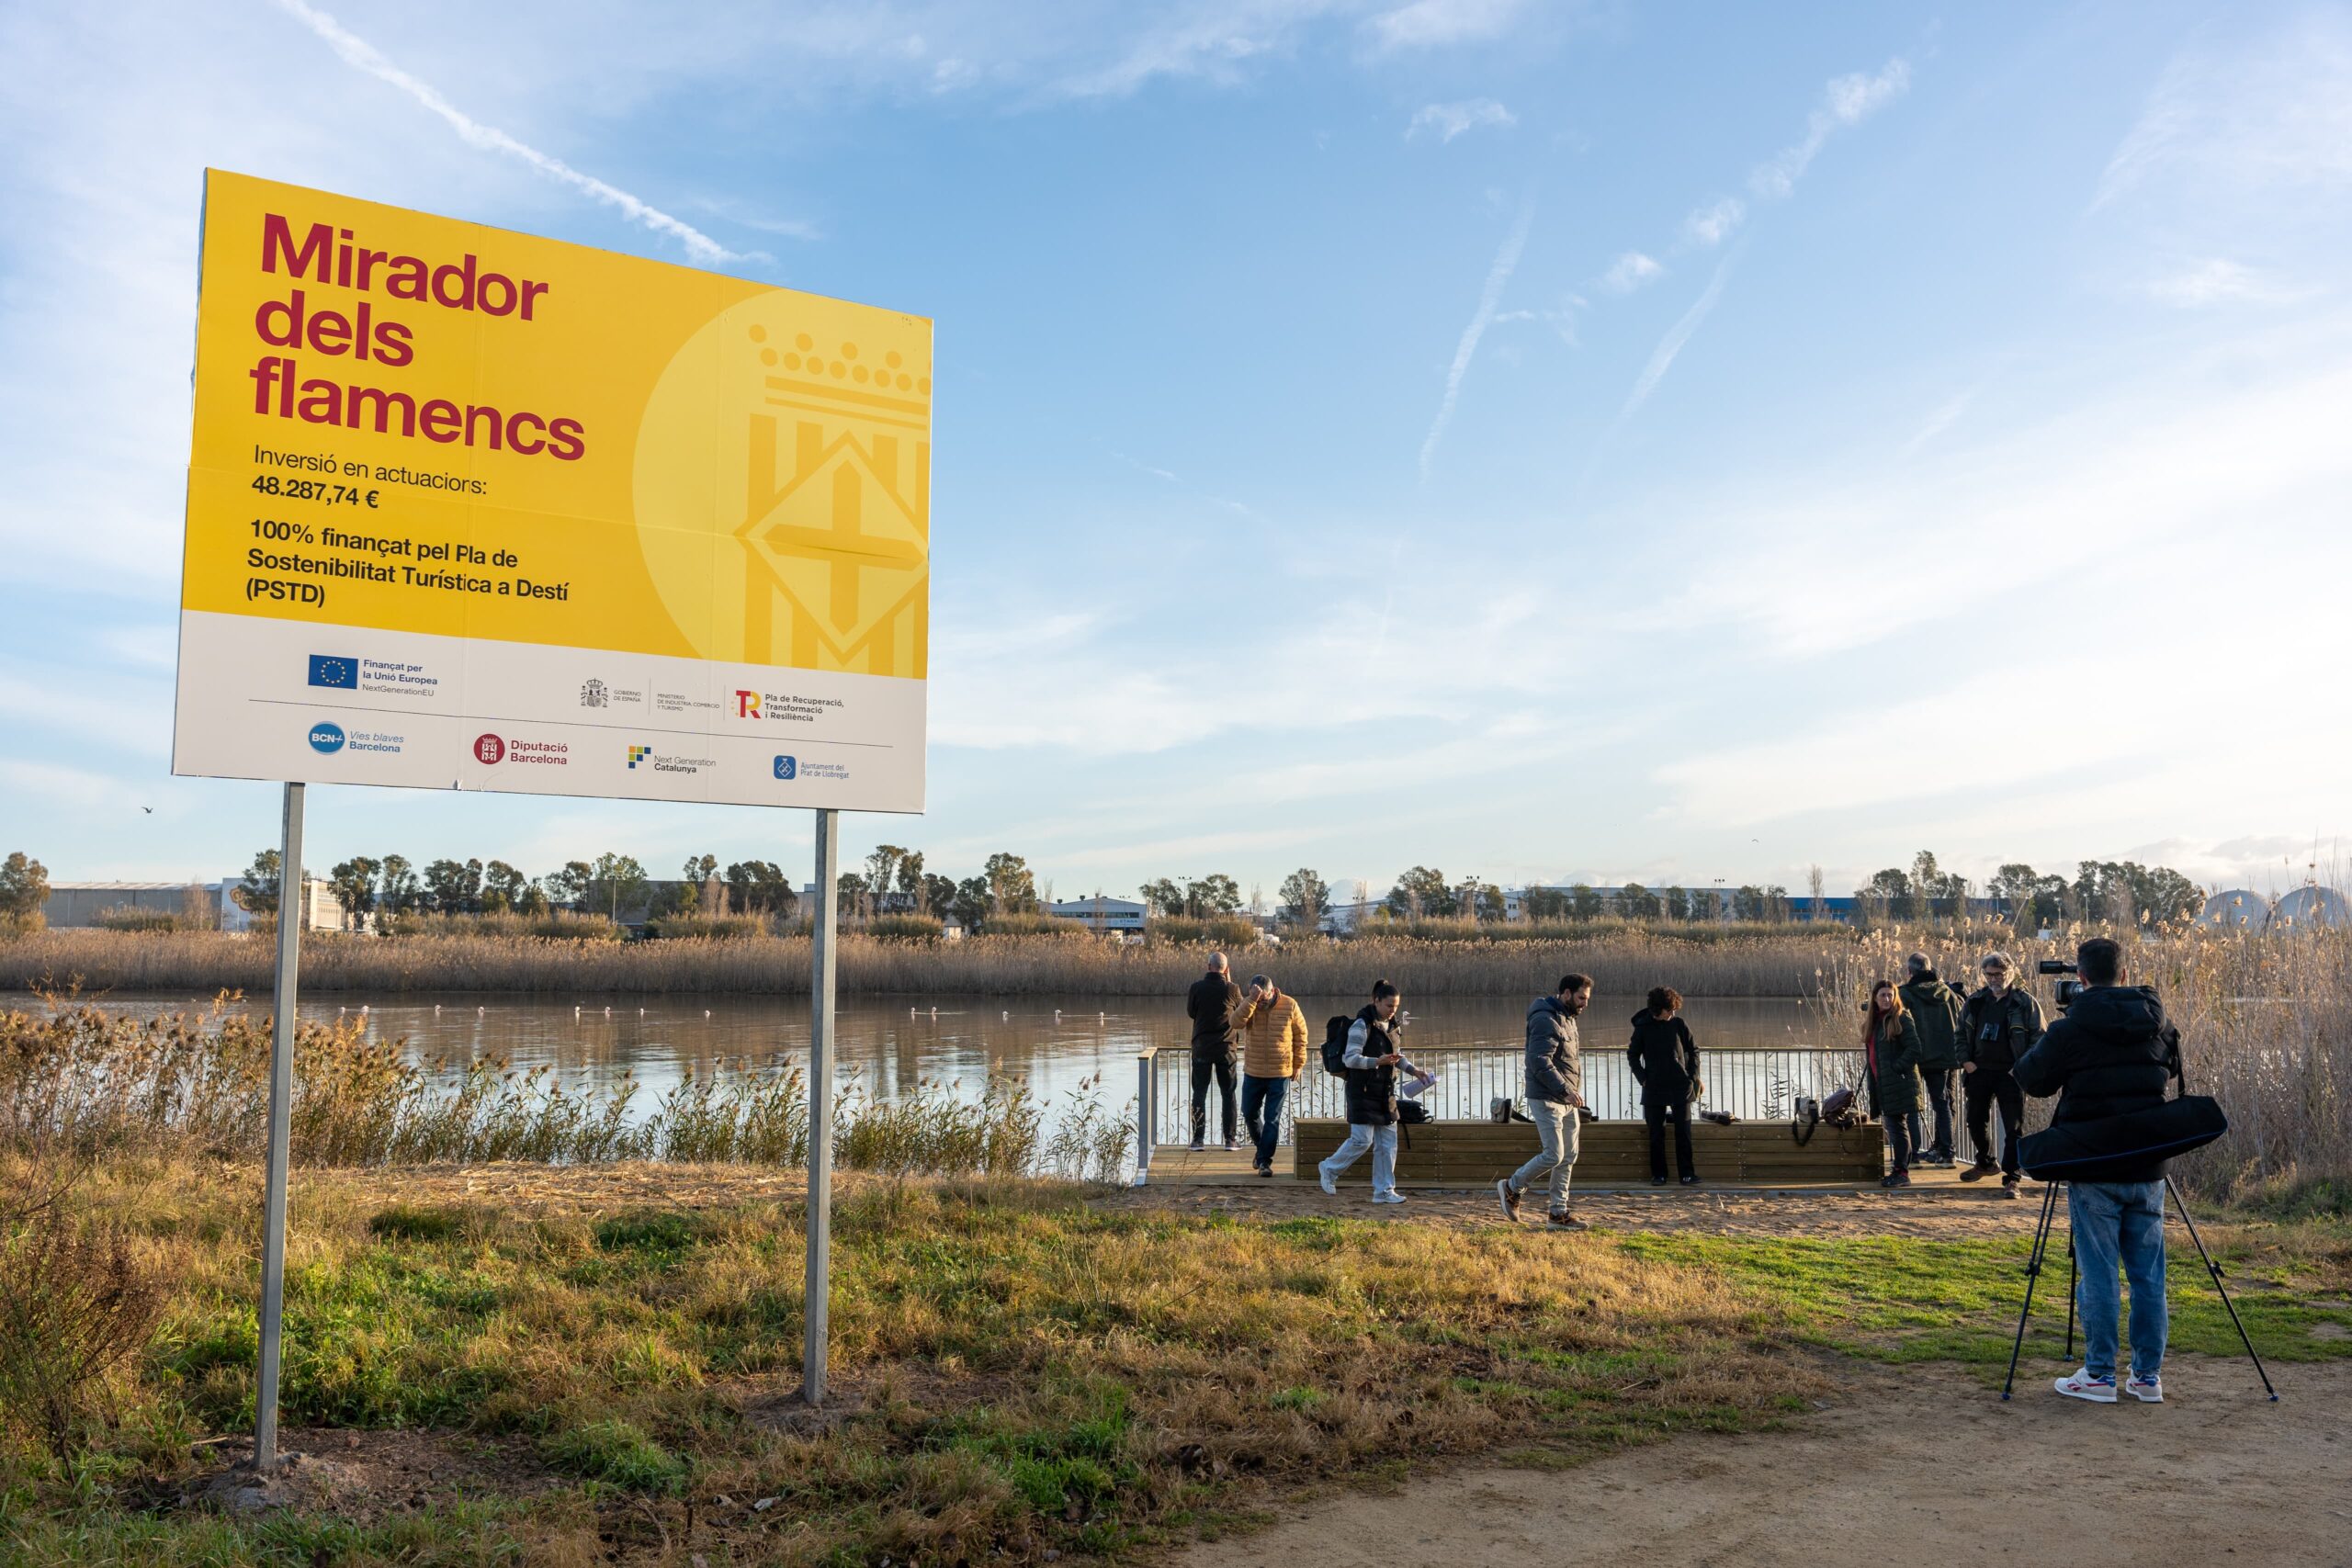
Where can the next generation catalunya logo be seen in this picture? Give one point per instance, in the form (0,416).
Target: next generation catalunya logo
(665,762)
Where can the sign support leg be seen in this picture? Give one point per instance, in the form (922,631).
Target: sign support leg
(822,951)
(281,1098)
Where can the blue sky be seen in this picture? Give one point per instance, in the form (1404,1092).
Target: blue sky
(1554,441)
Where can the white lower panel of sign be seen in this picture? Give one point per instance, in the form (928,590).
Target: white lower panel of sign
(264,699)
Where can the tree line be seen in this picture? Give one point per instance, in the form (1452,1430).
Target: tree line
(893,881)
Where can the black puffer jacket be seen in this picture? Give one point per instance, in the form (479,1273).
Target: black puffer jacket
(1664,1058)
(2112,1053)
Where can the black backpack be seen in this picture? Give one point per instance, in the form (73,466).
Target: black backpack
(1335,1045)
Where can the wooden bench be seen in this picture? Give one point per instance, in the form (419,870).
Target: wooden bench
(1610,1154)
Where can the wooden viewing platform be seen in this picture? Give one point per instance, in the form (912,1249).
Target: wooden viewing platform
(1612,1157)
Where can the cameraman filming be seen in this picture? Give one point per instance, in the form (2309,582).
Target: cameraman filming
(2110,1055)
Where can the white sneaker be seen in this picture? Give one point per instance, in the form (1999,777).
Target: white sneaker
(2147,1391)
(1388,1197)
(1328,1185)
(2082,1385)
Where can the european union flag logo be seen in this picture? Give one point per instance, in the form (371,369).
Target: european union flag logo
(328,671)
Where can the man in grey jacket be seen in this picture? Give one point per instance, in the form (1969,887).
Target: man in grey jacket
(1554,1093)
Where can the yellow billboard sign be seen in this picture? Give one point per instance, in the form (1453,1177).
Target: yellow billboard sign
(474,508)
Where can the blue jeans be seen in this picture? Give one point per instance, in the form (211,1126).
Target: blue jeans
(2119,1224)
(1261,1113)
(1382,1142)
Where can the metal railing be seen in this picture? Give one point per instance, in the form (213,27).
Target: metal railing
(1759,1084)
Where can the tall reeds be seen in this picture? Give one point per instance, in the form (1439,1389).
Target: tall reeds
(2266,1025)
(1769,961)
(77,1078)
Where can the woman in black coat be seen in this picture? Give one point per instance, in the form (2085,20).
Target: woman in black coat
(1665,1060)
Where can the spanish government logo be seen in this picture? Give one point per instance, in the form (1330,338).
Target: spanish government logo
(594,694)
(812,550)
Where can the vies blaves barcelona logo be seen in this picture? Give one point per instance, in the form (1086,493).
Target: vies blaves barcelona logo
(824,557)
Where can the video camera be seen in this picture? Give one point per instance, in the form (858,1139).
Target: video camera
(2067,990)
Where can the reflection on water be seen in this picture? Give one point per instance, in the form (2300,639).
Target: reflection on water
(887,1045)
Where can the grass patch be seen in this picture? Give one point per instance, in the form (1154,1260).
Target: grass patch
(617,1452)
(1035,1374)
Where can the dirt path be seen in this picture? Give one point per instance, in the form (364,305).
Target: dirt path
(1920,1465)
(1950,1215)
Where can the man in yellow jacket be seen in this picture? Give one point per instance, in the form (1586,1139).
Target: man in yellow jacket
(1273,1050)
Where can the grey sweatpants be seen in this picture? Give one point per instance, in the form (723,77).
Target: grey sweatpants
(1558,1126)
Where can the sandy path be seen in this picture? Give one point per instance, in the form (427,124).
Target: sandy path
(1957,1213)
(1920,1465)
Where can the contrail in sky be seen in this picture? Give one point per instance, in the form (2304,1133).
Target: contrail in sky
(1506,262)
(362,55)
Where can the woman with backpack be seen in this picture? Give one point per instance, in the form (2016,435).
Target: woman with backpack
(1891,1065)
(1369,1062)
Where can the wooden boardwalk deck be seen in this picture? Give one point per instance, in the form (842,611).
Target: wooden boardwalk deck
(1466,1157)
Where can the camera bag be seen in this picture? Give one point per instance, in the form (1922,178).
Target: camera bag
(2113,1147)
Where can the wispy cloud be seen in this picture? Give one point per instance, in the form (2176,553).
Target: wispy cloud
(1430,23)
(1662,358)
(1846,101)
(1629,272)
(1713,224)
(2218,281)
(1497,276)
(361,55)
(1450,120)
(2276,112)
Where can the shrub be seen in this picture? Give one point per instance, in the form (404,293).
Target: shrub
(135,918)
(404,1222)
(76,1304)
(1022,922)
(905,927)
(1215,930)
(707,928)
(618,1452)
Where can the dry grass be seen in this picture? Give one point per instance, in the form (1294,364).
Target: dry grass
(1036,1377)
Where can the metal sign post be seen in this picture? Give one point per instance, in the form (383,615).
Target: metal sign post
(281,1105)
(820,1108)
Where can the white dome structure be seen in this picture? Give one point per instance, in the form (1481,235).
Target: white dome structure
(2236,908)
(2314,905)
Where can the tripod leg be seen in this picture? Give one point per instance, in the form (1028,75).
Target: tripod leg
(2214,1270)
(2032,1273)
(2071,1266)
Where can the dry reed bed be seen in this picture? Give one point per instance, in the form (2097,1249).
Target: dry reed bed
(1756,962)
(2266,1023)
(79,1079)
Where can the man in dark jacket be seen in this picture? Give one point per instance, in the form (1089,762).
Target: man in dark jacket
(1935,1009)
(2111,1054)
(1997,1025)
(1554,1094)
(1372,1059)
(1212,1004)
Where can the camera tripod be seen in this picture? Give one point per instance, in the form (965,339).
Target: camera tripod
(2041,1252)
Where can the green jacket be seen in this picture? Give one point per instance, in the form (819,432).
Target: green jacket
(1936,1007)
(1895,1088)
